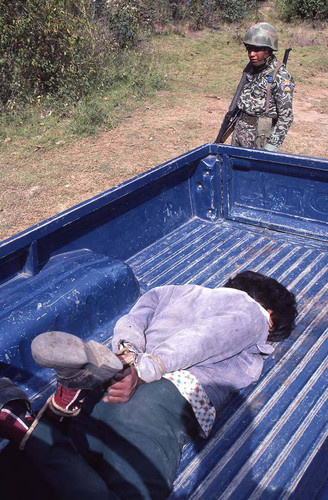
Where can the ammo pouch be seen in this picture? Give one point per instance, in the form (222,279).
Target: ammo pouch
(263,131)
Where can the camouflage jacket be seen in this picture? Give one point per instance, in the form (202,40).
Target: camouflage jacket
(253,99)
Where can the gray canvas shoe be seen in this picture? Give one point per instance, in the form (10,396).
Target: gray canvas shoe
(79,365)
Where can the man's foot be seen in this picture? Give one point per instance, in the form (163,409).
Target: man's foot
(16,415)
(65,403)
(79,365)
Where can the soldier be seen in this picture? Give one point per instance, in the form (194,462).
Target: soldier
(266,100)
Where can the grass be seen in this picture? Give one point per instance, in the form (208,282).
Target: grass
(197,62)
(131,77)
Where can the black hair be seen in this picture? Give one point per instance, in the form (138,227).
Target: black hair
(271,295)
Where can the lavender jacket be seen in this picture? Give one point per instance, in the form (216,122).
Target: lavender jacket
(218,334)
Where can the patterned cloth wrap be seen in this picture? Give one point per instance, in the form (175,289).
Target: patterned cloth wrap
(193,392)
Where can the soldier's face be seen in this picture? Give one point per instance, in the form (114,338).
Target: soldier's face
(257,55)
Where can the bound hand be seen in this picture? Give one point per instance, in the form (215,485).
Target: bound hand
(123,386)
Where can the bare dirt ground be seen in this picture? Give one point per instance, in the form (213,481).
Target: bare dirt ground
(160,130)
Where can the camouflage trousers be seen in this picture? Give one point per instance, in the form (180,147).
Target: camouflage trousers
(244,135)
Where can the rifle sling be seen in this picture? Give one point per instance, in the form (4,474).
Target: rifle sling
(269,88)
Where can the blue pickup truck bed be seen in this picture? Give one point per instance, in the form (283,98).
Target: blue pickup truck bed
(267,436)
(198,219)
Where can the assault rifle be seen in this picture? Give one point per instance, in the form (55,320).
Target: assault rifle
(233,113)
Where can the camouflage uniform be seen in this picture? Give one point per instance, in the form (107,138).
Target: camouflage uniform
(252,101)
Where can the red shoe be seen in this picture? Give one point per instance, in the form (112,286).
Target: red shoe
(65,403)
(16,416)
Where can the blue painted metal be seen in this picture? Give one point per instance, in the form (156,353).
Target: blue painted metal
(267,435)
(283,192)
(196,219)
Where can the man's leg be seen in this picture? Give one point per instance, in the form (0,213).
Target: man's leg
(48,448)
(59,463)
(135,446)
(138,443)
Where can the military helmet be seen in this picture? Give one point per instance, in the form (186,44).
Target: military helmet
(262,35)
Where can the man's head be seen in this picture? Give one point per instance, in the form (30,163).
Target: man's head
(273,296)
(258,56)
(260,41)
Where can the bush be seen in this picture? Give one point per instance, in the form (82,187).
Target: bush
(235,10)
(303,9)
(46,47)
(66,48)
(128,20)
(207,12)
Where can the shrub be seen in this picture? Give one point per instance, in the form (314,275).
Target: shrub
(128,20)
(66,48)
(45,46)
(235,10)
(303,9)
(206,12)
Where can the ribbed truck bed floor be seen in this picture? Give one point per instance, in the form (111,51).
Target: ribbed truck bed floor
(269,440)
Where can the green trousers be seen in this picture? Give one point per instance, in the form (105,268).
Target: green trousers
(129,450)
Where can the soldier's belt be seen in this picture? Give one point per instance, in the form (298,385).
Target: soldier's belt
(251,120)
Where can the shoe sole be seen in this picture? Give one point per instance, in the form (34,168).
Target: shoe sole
(60,350)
